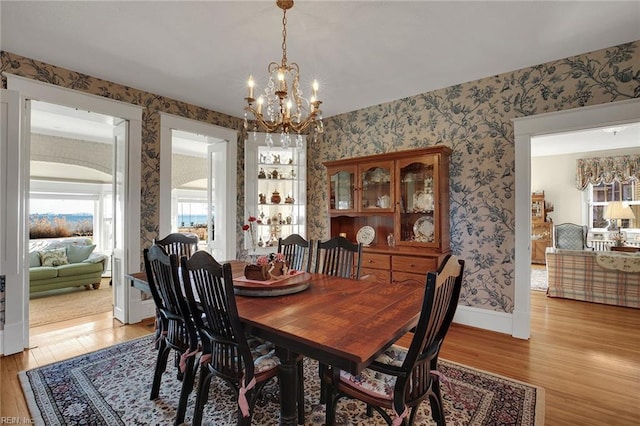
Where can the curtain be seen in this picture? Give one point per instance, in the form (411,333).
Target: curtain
(606,170)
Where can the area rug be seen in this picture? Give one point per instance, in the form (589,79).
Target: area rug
(539,279)
(111,387)
(69,303)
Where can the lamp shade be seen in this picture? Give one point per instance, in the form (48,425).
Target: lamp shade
(618,210)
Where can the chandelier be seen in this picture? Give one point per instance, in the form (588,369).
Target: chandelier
(283,108)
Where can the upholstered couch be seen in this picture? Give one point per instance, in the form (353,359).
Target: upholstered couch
(594,276)
(64,262)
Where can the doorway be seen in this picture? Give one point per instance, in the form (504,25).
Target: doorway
(526,128)
(71,203)
(197,180)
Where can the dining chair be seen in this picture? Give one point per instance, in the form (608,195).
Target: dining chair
(245,362)
(175,329)
(297,251)
(338,257)
(180,244)
(341,258)
(401,378)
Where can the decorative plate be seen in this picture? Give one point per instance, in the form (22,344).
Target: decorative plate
(365,235)
(423,230)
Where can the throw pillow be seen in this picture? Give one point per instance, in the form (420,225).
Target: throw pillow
(55,257)
(34,259)
(77,254)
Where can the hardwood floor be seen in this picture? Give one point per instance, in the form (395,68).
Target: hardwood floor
(585,355)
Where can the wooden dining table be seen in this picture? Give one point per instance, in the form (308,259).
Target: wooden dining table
(338,321)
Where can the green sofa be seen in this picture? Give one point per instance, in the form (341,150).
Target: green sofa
(64,262)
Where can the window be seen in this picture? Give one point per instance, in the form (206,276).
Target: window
(603,193)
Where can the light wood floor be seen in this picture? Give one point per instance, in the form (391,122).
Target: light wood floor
(585,355)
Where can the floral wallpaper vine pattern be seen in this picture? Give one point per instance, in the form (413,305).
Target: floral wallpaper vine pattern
(473,118)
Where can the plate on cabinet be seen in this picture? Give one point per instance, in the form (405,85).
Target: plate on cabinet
(423,230)
(365,235)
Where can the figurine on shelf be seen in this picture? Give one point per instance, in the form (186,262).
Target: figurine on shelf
(274,174)
(262,198)
(288,199)
(275,197)
(262,174)
(276,158)
(290,160)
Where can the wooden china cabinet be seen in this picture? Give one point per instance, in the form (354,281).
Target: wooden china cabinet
(541,228)
(403,194)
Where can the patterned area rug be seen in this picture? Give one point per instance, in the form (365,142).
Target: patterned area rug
(539,279)
(111,387)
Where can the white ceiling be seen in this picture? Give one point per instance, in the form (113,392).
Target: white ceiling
(362,52)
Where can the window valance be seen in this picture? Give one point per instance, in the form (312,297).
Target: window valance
(606,170)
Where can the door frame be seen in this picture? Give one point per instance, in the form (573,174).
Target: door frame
(170,122)
(611,114)
(32,89)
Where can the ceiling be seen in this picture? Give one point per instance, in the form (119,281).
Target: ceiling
(363,53)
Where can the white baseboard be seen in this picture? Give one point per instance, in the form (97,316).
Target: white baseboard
(483,318)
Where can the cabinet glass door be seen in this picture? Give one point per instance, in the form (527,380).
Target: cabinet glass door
(375,184)
(418,200)
(341,189)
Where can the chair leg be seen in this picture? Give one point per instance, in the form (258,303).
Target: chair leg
(202,396)
(435,398)
(187,387)
(323,387)
(161,366)
(300,396)
(332,402)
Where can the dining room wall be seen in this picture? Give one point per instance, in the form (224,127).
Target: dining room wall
(472,118)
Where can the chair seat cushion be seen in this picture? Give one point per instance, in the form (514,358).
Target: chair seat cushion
(263,353)
(374,383)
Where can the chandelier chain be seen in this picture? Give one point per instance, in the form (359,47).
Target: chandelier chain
(284,38)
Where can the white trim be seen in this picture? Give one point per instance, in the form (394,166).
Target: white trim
(525,128)
(46,92)
(500,322)
(31,89)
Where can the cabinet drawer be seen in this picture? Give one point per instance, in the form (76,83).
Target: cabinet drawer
(417,265)
(376,261)
(407,277)
(377,275)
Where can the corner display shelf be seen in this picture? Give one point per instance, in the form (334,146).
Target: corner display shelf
(275,191)
(402,193)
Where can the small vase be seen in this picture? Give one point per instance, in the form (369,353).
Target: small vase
(275,197)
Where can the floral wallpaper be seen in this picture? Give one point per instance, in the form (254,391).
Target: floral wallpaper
(473,118)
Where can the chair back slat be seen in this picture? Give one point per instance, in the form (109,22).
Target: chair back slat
(209,291)
(297,251)
(179,244)
(338,257)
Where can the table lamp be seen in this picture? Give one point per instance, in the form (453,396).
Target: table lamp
(617,210)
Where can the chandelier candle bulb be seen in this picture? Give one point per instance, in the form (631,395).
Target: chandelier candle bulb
(251,84)
(260,102)
(315,87)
